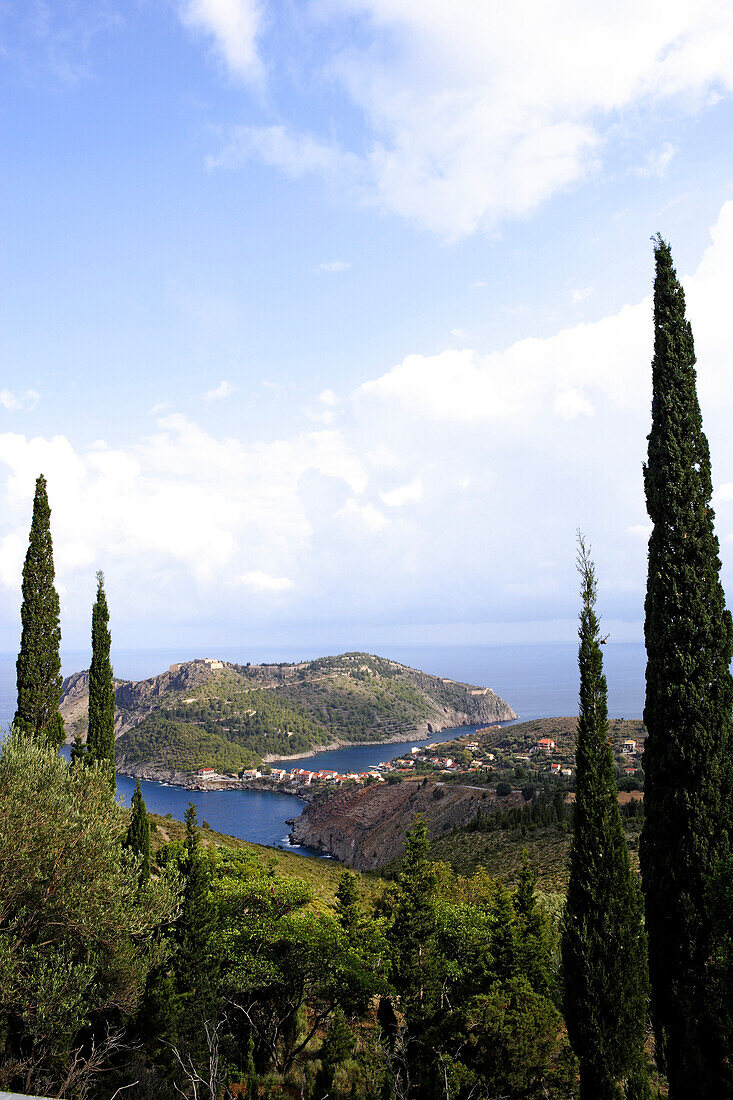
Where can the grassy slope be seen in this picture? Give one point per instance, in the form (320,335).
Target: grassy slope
(321,875)
(500,851)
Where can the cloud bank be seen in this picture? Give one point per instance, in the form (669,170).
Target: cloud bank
(446,489)
(473,112)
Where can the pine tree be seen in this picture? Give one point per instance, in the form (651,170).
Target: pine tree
(138,832)
(603,942)
(689,694)
(39,663)
(101,735)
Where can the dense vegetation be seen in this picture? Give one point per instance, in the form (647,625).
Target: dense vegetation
(221,970)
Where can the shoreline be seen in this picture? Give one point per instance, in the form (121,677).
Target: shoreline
(397,739)
(180,779)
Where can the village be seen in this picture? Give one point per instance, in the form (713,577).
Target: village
(483,756)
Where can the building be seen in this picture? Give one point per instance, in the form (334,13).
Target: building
(628,747)
(206,773)
(546,744)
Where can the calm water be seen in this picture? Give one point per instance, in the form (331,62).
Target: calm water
(536,680)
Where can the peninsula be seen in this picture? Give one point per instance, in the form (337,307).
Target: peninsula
(213,714)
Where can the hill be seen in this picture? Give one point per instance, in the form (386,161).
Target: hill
(209,713)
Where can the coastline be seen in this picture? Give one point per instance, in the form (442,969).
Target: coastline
(418,734)
(174,778)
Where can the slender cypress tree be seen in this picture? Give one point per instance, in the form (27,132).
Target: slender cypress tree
(39,663)
(101,735)
(196,962)
(689,694)
(603,941)
(138,832)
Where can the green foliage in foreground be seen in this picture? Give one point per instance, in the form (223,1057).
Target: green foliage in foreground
(39,663)
(77,929)
(222,969)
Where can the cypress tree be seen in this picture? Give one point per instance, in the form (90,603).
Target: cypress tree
(39,663)
(603,942)
(101,735)
(689,694)
(196,962)
(138,832)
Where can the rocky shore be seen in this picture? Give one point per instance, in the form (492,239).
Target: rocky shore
(365,828)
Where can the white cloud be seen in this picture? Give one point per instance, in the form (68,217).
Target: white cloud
(224,389)
(403,494)
(570,403)
(581,293)
(372,519)
(641,530)
(19,401)
(333,266)
(475,112)
(657,161)
(294,154)
(233,25)
(263,582)
(458,333)
(325,412)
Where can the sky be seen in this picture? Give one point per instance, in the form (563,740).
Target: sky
(329,323)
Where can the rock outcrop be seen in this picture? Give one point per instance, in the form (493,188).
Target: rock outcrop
(365,828)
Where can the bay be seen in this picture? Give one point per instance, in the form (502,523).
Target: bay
(536,680)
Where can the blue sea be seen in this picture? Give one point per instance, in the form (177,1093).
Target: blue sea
(537,681)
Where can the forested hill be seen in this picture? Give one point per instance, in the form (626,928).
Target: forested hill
(228,716)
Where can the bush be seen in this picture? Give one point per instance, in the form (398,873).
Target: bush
(503,789)
(78,931)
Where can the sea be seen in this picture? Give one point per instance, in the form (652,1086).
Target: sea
(538,681)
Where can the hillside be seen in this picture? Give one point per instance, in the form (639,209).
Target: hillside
(322,876)
(366,828)
(227,716)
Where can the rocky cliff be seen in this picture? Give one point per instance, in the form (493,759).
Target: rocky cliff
(365,828)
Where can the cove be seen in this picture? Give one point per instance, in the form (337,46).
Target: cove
(260,816)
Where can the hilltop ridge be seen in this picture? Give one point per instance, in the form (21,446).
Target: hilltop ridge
(209,712)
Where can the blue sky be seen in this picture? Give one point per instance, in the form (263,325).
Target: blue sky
(329,323)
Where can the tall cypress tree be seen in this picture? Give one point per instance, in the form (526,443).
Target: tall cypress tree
(138,832)
(39,663)
(689,694)
(603,942)
(101,735)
